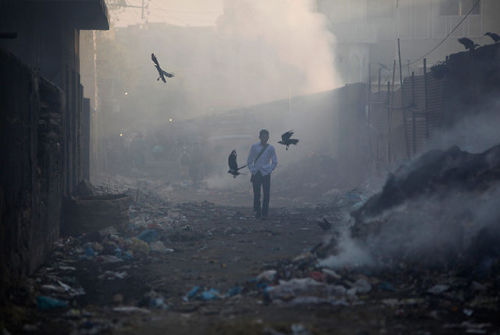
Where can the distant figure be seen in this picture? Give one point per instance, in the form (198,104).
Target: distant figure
(161,73)
(261,162)
(233,164)
(493,36)
(286,140)
(467,43)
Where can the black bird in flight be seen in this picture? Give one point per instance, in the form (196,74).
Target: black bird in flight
(494,37)
(233,165)
(286,140)
(467,43)
(161,73)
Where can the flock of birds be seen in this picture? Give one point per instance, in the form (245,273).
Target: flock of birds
(470,45)
(286,140)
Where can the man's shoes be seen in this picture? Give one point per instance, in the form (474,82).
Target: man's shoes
(263,217)
(258,215)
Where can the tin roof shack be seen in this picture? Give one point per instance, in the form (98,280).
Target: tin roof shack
(43,124)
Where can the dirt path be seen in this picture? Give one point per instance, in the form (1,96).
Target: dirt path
(224,248)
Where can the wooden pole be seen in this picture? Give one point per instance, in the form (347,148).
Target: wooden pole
(369,78)
(389,123)
(391,104)
(426,111)
(403,109)
(413,120)
(379,78)
(369,96)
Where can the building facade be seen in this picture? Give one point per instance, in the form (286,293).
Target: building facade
(367,32)
(44,123)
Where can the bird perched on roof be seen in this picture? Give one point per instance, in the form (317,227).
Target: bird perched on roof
(467,43)
(161,73)
(233,164)
(286,140)
(494,37)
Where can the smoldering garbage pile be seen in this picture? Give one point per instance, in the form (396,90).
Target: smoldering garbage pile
(426,247)
(440,209)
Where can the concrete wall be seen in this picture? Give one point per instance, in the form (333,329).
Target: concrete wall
(31,169)
(43,125)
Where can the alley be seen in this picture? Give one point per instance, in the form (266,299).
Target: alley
(202,268)
(249,167)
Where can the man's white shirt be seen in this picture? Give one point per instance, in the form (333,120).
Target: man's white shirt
(266,163)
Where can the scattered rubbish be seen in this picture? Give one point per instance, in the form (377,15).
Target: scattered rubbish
(234,291)
(139,247)
(318,276)
(148,235)
(438,289)
(210,294)
(89,251)
(131,309)
(331,273)
(158,246)
(267,275)
(299,329)
(192,293)
(47,303)
(111,275)
(361,286)
(386,286)
(109,259)
(468,312)
(158,303)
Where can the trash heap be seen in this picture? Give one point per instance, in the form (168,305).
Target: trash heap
(441,209)
(432,239)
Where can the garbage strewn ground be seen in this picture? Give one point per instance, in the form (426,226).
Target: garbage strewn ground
(202,268)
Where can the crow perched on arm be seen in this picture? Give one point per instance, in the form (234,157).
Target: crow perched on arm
(286,140)
(467,43)
(493,36)
(233,164)
(161,73)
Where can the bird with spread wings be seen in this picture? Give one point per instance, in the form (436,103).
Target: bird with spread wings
(161,73)
(287,140)
(495,37)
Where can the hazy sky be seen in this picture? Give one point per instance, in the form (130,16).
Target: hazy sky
(177,12)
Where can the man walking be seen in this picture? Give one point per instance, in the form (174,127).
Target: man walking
(261,162)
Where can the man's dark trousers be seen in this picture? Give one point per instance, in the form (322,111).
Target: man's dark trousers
(258,181)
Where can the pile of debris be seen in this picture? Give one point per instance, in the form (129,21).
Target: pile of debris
(440,210)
